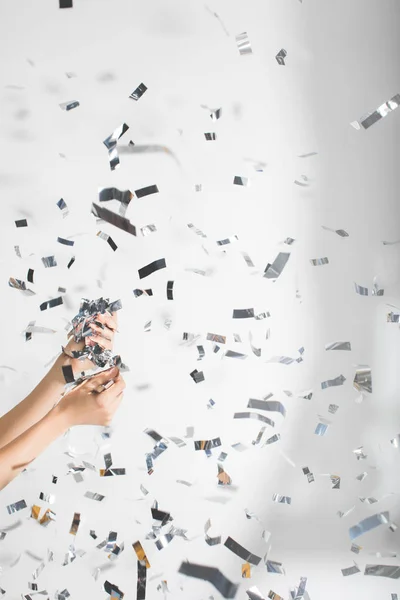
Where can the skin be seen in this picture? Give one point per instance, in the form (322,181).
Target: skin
(28,428)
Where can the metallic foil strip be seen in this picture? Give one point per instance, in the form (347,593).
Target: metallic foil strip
(113,590)
(48,516)
(307,155)
(332,408)
(243,44)
(303,182)
(69,105)
(211,574)
(113,219)
(153,434)
(382,111)
(51,303)
(215,114)
(322,426)
(254,593)
(21,223)
(152,268)
(207,444)
(222,456)
(17,251)
(71,262)
(338,346)
(376,291)
(339,380)
(335,480)
(16,506)
(160,515)
(21,286)
(170,288)
(49,261)
(362,291)
(279,499)
(196,230)
(94,496)
(237,180)
(183,482)
(300,592)
(232,354)
(107,194)
(201,352)
(391,243)
(236,338)
(210,137)
(368,500)
(356,549)
(50,498)
(65,242)
(223,477)
(340,232)
(244,554)
(198,187)
(111,141)
(259,436)
(363,379)
(280,57)
(246,571)
(141,554)
(368,524)
(362,476)
(141,581)
(275,567)
(273,596)
(275,438)
(164,540)
(146,191)
(214,337)
(180,443)
(391,571)
(37,571)
(316,262)
(243,313)
(273,271)
(396,441)
(248,260)
(197,376)
(211,541)
(393,317)
(268,405)
(251,415)
(137,293)
(148,229)
(350,570)
(75,524)
(138,92)
(35,510)
(229,240)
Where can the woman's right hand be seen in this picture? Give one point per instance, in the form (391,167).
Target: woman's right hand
(90,403)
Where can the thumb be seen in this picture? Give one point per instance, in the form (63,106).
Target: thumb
(104,377)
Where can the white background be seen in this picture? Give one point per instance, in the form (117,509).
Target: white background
(342,61)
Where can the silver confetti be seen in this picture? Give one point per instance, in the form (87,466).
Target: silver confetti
(338,346)
(69,105)
(273,271)
(340,232)
(275,567)
(382,111)
(360,454)
(237,549)
(322,426)
(148,229)
(356,549)
(49,261)
(363,379)
(339,380)
(256,416)
(316,262)
(238,180)
(391,571)
(243,44)
(267,405)
(279,499)
(196,230)
(362,476)
(211,541)
(94,496)
(368,524)
(16,506)
(350,570)
(210,137)
(233,238)
(368,500)
(138,92)
(225,587)
(332,408)
(280,57)
(362,291)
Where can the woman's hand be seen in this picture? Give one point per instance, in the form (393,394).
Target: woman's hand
(94,401)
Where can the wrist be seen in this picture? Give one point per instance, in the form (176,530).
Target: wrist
(62,417)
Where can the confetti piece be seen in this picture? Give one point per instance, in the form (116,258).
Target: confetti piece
(107,194)
(280,57)
(107,238)
(307,155)
(146,191)
(210,137)
(21,223)
(207,444)
(197,376)
(369,500)
(69,105)
(65,242)
(316,262)
(51,303)
(17,284)
(237,180)
(248,260)
(138,92)
(243,44)
(273,271)
(360,454)
(223,477)
(170,288)
(368,524)
(241,552)
(322,426)
(233,238)
(49,261)
(211,541)
(340,232)
(362,476)
(350,570)
(303,182)
(338,346)
(232,354)
(382,111)
(65,3)
(332,408)
(339,380)
(111,144)
(214,337)
(63,207)
(279,499)
(16,506)
(363,379)
(391,571)
(113,219)
(211,574)
(147,230)
(75,524)
(268,405)
(137,293)
(140,553)
(243,313)
(254,594)
(71,262)
(68,374)
(152,268)
(113,590)
(94,496)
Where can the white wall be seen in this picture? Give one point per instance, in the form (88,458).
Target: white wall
(342,62)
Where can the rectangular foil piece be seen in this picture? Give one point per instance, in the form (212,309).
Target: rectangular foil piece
(94,496)
(363,379)
(243,44)
(65,242)
(107,238)
(268,405)
(382,111)
(107,194)
(226,588)
(214,337)
(197,376)
(111,141)
(316,262)
(148,229)
(141,554)
(391,571)
(211,541)
(207,444)
(141,581)
(254,594)
(332,408)
(242,552)
(339,380)
(338,346)
(273,271)
(232,354)
(146,191)
(16,506)
(362,291)
(243,313)
(279,499)
(275,567)
(49,261)
(238,180)
(280,57)
(256,416)
(69,105)
(152,268)
(75,524)
(368,524)
(246,571)
(229,240)
(170,290)
(350,570)
(138,92)
(21,223)
(113,219)
(210,137)
(196,230)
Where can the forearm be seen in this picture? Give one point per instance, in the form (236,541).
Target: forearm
(21,451)
(35,406)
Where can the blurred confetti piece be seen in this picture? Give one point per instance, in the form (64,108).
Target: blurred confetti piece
(360,454)
(275,567)
(207,444)
(233,238)
(307,155)
(362,476)
(268,405)
(147,230)
(111,144)
(75,524)
(237,549)
(16,506)
(211,541)
(338,346)
(51,303)
(316,262)
(197,376)
(279,499)
(322,426)
(65,3)
(368,524)
(356,549)
(340,232)
(273,271)
(332,408)
(196,230)
(382,111)
(350,570)
(107,238)
(254,594)
(243,313)
(21,223)
(94,496)
(210,137)
(17,284)
(49,261)
(396,441)
(302,182)
(243,44)
(152,268)
(280,57)
(237,180)
(246,571)
(223,477)
(138,92)
(252,415)
(140,553)
(339,380)
(137,293)
(146,191)
(69,105)
(214,14)
(211,574)
(391,571)
(363,379)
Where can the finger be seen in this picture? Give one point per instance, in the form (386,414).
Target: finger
(97,339)
(103,387)
(105,333)
(109,320)
(116,389)
(103,377)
